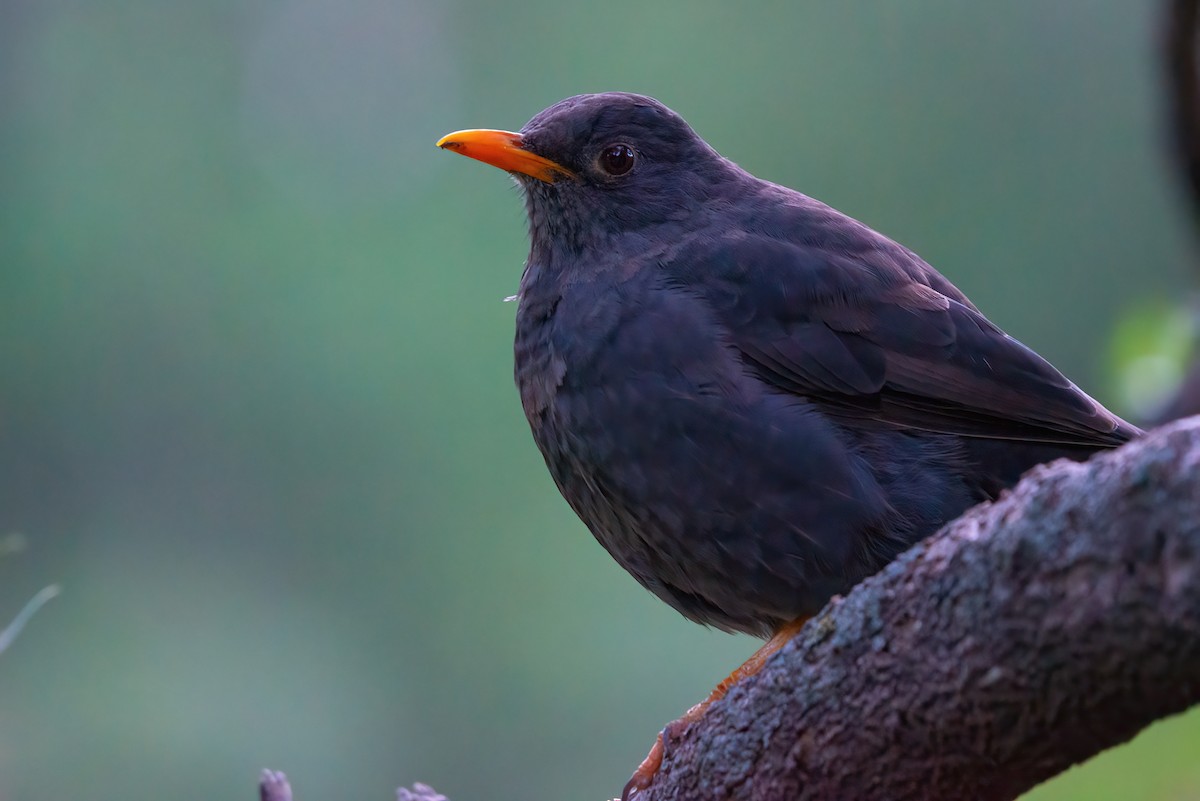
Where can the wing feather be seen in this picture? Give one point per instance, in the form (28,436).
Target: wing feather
(865,338)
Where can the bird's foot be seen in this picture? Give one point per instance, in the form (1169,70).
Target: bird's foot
(645,773)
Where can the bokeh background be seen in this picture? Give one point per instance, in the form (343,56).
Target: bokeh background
(256,407)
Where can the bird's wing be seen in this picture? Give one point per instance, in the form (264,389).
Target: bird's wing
(876,334)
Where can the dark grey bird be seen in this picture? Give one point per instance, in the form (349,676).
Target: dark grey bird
(752,400)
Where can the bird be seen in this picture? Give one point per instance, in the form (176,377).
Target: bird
(751,400)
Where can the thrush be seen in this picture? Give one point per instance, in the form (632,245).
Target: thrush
(752,400)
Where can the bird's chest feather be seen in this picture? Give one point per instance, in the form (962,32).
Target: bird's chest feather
(569,384)
(591,355)
(622,383)
(560,335)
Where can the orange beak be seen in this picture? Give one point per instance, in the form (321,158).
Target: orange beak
(505,150)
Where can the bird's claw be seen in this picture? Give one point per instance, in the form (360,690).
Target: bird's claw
(645,773)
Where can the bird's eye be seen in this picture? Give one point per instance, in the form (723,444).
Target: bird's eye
(617,159)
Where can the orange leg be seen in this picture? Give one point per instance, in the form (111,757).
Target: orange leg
(646,771)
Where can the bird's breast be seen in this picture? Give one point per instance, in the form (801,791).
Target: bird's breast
(620,385)
(699,480)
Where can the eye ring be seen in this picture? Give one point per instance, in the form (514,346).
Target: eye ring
(617,159)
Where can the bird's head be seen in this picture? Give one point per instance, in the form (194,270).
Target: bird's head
(603,165)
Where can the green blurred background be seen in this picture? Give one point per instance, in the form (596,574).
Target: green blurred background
(256,406)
